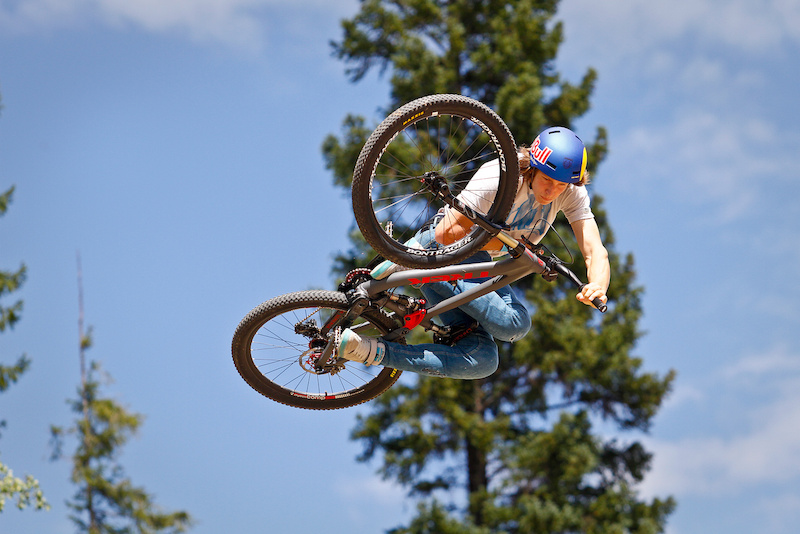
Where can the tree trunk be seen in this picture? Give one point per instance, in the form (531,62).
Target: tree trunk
(476,461)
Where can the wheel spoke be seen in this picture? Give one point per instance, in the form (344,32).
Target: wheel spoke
(284,348)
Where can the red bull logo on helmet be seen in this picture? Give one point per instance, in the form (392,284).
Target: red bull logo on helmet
(540,154)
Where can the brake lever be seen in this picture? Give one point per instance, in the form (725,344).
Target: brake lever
(556,267)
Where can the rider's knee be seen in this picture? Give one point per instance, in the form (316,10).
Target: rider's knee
(513,333)
(481,354)
(487,367)
(515,325)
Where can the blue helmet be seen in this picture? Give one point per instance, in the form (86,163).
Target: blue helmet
(560,154)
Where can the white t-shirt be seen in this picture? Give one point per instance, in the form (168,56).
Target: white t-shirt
(527,217)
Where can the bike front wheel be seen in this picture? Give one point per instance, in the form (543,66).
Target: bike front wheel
(448,136)
(276,346)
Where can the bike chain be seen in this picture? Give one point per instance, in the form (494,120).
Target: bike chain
(306,360)
(356,275)
(309,316)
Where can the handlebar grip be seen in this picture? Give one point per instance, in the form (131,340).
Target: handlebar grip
(561,269)
(600,305)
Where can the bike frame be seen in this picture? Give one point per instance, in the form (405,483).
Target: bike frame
(500,273)
(522,262)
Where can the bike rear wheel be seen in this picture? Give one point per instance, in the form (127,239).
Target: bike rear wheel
(450,136)
(276,345)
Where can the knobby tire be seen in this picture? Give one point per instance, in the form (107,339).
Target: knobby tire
(267,353)
(451,135)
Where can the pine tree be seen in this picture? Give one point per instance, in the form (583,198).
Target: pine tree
(10,281)
(24,491)
(106,501)
(523,443)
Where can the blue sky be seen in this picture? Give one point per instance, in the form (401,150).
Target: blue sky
(176,145)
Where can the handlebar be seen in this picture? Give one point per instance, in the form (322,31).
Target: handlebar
(561,269)
(515,247)
(554,264)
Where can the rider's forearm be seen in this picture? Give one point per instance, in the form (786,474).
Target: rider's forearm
(494,245)
(451,228)
(598,269)
(448,232)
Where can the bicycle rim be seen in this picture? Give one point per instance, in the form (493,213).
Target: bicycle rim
(277,345)
(444,135)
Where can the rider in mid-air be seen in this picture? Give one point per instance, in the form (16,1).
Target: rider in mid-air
(552,179)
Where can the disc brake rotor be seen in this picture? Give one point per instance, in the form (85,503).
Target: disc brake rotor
(308,361)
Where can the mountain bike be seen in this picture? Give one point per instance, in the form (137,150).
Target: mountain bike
(414,163)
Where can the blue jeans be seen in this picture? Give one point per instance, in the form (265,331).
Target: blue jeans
(499,314)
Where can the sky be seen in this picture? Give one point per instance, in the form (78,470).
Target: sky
(176,147)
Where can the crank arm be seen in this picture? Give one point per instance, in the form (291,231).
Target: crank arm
(339,321)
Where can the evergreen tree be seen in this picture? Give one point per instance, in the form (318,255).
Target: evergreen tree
(521,443)
(10,281)
(25,491)
(106,501)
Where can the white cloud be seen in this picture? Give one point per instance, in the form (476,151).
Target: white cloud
(712,466)
(693,101)
(620,29)
(706,158)
(366,495)
(778,362)
(240,23)
(683,394)
(222,20)
(765,450)
(379,490)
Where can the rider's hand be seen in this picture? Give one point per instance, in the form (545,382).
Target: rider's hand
(590,292)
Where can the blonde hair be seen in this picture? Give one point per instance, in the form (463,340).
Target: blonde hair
(527,172)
